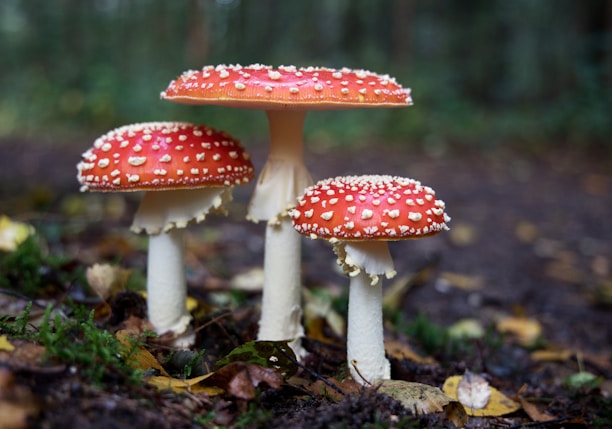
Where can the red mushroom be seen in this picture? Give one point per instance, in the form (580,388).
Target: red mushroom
(187,170)
(286,93)
(359,214)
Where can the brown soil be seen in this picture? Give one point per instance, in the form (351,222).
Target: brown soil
(531,235)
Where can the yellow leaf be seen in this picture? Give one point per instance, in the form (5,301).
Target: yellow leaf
(552,355)
(184,385)
(526,330)
(139,357)
(399,350)
(497,405)
(12,234)
(5,345)
(467,328)
(462,281)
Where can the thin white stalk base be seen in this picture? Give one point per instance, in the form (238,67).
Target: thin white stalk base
(167,288)
(283,178)
(365,337)
(281,309)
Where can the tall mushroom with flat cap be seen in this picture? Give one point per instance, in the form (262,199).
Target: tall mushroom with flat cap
(286,93)
(359,215)
(187,171)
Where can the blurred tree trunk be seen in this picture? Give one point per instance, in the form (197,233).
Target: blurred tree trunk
(403,25)
(609,51)
(198,33)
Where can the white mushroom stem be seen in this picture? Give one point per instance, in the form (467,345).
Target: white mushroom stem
(366,262)
(283,178)
(164,215)
(365,348)
(166,286)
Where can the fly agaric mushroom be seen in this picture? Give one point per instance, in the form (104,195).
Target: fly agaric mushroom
(188,171)
(286,93)
(358,215)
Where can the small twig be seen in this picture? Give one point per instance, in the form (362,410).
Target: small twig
(215,320)
(22,297)
(354,364)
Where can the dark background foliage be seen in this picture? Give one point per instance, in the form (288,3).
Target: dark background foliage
(530,72)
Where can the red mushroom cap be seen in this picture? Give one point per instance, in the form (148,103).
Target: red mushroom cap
(286,87)
(369,208)
(162,156)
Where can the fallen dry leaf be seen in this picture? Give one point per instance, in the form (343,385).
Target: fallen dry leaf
(534,412)
(178,385)
(424,399)
(466,328)
(17,403)
(322,388)
(242,380)
(28,356)
(5,344)
(107,280)
(276,355)
(552,355)
(473,391)
(398,350)
(462,281)
(526,330)
(498,404)
(12,233)
(138,357)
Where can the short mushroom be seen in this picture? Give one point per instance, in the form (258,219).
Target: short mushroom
(286,93)
(359,214)
(188,171)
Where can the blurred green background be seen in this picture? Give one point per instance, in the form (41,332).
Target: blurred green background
(488,72)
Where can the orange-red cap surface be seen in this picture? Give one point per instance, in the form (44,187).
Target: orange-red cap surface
(163,156)
(286,87)
(369,208)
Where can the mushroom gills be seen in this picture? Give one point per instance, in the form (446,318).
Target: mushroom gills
(163,210)
(373,257)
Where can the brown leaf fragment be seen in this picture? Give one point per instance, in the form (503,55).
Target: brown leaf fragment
(27,356)
(17,403)
(241,379)
(138,357)
(398,350)
(525,330)
(534,412)
(473,391)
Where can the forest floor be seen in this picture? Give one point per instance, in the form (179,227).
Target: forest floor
(518,291)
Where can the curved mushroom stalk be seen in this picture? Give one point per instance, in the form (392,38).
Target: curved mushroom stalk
(164,215)
(282,179)
(365,262)
(365,347)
